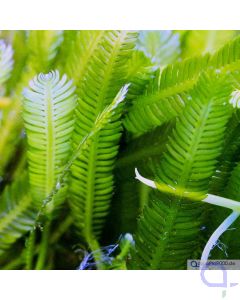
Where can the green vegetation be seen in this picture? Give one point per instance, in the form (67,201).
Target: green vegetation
(80,110)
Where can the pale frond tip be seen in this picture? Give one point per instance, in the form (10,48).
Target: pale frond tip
(6,61)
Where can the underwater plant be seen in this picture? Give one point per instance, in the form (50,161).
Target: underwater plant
(118,149)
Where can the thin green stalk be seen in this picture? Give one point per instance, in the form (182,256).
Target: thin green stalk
(97,253)
(30,250)
(43,247)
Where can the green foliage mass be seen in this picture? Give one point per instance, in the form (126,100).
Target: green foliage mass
(80,110)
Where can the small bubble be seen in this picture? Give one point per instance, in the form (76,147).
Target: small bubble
(58,185)
(217,71)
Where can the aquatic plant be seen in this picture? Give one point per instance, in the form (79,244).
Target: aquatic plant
(82,113)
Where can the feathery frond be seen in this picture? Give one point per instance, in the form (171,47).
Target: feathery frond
(139,73)
(198,42)
(76,51)
(167,231)
(6,61)
(42,53)
(170,91)
(20,57)
(92,179)
(161,46)
(39,55)
(48,119)
(17,213)
(166,97)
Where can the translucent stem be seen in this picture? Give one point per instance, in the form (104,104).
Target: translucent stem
(212,199)
(215,236)
(43,247)
(144,180)
(224,202)
(30,249)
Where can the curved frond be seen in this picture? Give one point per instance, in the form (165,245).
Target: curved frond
(6,61)
(190,145)
(161,46)
(76,51)
(40,46)
(66,50)
(170,92)
(228,57)
(92,178)
(20,58)
(48,119)
(198,42)
(166,97)
(17,213)
(168,229)
(139,74)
